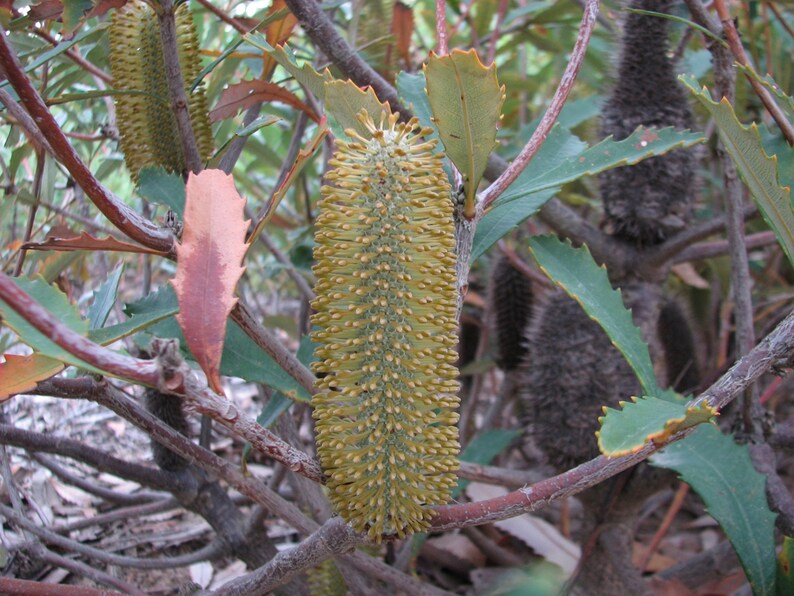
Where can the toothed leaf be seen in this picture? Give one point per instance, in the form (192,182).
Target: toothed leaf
(575,271)
(466,100)
(646,419)
(343,102)
(758,170)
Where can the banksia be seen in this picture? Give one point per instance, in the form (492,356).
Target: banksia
(647,202)
(149,135)
(386,317)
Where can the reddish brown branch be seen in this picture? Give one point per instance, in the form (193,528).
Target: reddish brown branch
(735,43)
(552,112)
(124,218)
(140,371)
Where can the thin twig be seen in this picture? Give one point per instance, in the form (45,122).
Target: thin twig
(75,57)
(25,122)
(42,553)
(323,33)
(552,112)
(145,497)
(442,49)
(669,249)
(176,87)
(735,43)
(497,31)
(223,16)
(718,248)
(208,552)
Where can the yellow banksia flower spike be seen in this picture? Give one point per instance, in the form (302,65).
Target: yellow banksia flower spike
(147,126)
(386,330)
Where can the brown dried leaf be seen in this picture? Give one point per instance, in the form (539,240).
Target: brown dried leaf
(209,266)
(46,10)
(277,33)
(243,95)
(102,6)
(86,241)
(402,28)
(19,374)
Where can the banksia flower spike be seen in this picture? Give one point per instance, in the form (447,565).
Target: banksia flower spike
(387,330)
(149,135)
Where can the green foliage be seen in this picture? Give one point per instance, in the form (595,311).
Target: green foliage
(161,188)
(104,299)
(759,170)
(344,101)
(735,495)
(784,583)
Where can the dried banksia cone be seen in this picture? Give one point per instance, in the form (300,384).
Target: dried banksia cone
(147,125)
(385,313)
(647,202)
(167,408)
(511,307)
(575,370)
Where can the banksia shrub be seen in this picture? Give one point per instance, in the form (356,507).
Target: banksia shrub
(386,317)
(149,135)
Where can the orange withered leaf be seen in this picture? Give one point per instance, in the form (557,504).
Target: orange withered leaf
(209,266)
(19,374)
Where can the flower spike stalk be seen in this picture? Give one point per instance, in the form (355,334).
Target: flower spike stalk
(386,330)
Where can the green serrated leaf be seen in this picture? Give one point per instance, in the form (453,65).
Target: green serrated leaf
(159,187)
(646,419)
(303,73)
(641,144)
(344,100)
(734,493)
(466,100)
(785,568)
(575,271)
(241,356)
(58,306)
(104,299)
(759,170)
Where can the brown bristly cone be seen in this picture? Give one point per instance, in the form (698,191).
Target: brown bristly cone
(510,305)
